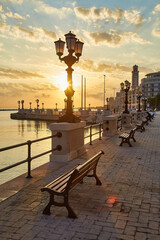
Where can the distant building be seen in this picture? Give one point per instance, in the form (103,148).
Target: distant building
(135,77)
(151,84)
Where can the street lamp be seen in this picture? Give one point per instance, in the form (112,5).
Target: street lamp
(144,100)
(19,104)
(125,87)
(30,104)
(107,99)
(22,102)
(139,95)
(37,101)
(73,46)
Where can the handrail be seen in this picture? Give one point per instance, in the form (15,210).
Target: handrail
(29,158)
(58,147)
(90,127)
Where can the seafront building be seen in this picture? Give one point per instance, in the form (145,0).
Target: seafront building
(149,87)
(151,84)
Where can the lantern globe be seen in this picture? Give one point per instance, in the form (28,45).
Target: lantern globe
(59,47)
(78,48)
(70,41)
(122,85)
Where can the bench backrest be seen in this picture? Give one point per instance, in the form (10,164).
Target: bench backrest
(82,170)
(132,132)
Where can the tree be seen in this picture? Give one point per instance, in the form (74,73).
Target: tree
(152,102)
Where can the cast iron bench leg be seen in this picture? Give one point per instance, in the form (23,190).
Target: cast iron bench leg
(121,143)
(71,213)
(129,143)
(46,211)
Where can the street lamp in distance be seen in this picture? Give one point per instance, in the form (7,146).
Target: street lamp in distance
(139,95)
(74,46)
(125,87)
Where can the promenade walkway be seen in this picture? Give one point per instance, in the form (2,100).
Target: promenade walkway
(126,206)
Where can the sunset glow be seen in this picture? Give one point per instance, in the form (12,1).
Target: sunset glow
(116,36)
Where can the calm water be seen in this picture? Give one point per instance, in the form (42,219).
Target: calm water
(18,131)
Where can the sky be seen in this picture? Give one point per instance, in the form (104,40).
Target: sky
(116,35)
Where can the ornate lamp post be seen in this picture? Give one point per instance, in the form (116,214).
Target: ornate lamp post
(30,105)
(144,103)
(139,95)
(107,99)
(56,106)
(42,105)
(126,89)
(37,101)
(22,102)
(19,104)
(73,46)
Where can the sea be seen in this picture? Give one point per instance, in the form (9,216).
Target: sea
(14,132)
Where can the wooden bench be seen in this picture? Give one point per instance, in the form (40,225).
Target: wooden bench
(127,136)
(141,125)
(63,184)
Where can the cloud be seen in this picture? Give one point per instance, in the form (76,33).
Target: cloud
(156,28)
(15,1)
(1,45)
(16,16)
(17,74)
(61,12)
(32,34)
(156,9)
(114,38)
(92,66)
(18,89)
(1,8)
(43,95)
(156,32)
(106,14)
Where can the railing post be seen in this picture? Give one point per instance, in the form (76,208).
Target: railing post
(100,127)
(29,159)
(91,135)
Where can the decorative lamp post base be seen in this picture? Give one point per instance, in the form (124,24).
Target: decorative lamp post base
(126,112)
(70,118)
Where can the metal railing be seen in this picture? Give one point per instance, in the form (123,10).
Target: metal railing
(91,134)
(29,158)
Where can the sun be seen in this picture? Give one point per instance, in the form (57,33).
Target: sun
(61,81)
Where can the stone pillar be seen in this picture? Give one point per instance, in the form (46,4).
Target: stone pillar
(72,141)
(126,119)
(109,126)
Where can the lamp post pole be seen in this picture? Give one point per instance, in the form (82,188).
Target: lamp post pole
(126,90)
(22,102)
(74,46)
(144,103)
(104,89)
(37,101)
(107,99)
(139,95)
(19,104)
